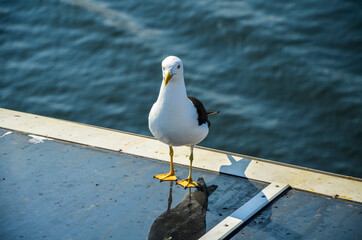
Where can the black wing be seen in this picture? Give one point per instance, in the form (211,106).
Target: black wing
(201,112)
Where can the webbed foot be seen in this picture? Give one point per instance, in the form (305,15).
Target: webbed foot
(187,183)
(166,177)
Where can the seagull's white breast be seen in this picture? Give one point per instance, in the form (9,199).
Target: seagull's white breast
(173,119)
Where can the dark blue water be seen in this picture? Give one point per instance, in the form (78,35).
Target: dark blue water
(286,75)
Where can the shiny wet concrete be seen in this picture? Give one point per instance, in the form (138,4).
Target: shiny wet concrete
(302,215)
(58,190)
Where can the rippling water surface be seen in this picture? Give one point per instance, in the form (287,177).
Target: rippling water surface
(286,75)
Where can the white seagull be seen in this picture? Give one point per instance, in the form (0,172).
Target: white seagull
(176,119)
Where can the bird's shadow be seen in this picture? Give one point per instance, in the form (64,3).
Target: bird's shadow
(236,168)
(188,219)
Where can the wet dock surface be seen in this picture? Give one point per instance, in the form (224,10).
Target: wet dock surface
(302,215)
(57,190)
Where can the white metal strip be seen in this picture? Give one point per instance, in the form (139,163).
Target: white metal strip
(245,212)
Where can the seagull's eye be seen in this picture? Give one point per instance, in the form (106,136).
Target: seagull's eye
(178,67)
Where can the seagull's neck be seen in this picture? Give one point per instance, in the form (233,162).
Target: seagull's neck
(174,91)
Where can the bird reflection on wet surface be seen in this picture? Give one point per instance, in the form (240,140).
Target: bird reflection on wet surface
(188,219)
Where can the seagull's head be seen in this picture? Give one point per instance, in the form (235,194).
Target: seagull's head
(172,68)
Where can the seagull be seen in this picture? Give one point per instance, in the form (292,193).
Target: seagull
(176,119)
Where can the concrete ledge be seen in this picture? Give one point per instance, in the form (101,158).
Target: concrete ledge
(334,185)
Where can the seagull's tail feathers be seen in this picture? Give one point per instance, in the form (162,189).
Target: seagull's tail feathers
(212,112)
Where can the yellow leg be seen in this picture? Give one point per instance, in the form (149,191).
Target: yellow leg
(171,175)
(188,182)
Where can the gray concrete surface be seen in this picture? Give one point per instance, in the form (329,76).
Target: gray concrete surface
(57,190)
(302,215)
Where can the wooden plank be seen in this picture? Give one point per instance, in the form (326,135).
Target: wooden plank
(310,180)
(245,212)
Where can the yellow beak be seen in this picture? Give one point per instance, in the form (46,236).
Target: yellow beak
(168,77)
